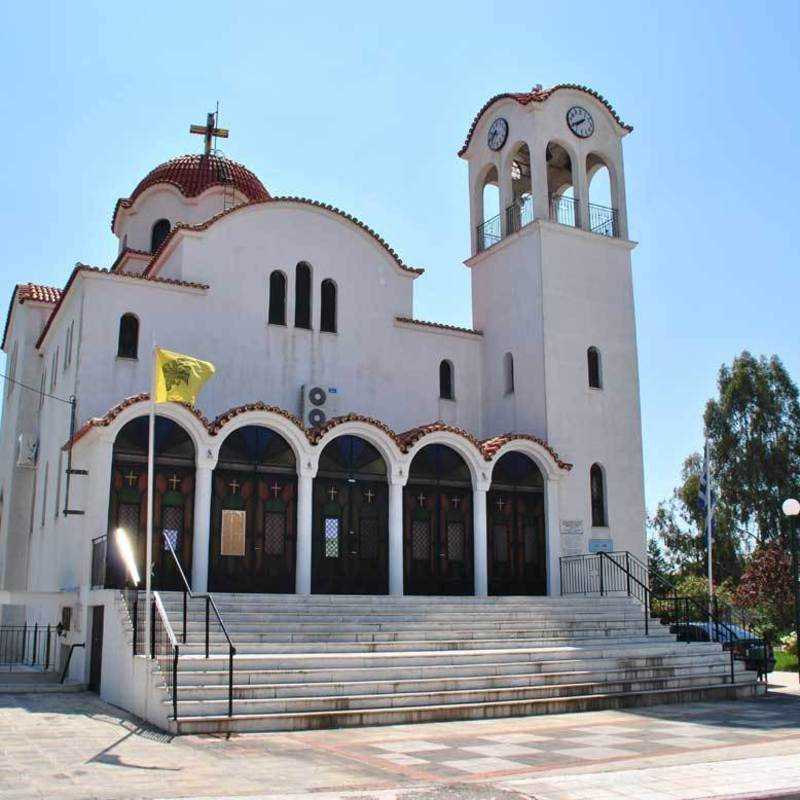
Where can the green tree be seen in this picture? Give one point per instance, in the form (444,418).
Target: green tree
(680,524)
(753,429)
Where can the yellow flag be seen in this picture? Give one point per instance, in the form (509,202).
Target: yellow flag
(179,378)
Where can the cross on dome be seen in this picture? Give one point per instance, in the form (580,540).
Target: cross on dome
(209,130)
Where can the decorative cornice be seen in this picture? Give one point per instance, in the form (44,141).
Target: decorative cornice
(297,200)
(438,325)
(524,98)
(491,446)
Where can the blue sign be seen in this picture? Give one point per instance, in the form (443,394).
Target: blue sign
(601,545)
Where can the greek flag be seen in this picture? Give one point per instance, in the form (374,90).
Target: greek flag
(706,497)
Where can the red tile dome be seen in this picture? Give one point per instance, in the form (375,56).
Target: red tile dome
(192,174)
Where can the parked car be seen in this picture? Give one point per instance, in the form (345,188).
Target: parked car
(753,650)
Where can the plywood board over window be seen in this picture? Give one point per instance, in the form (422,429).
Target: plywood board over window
(233,532)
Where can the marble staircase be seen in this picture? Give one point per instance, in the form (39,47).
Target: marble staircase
(334,661)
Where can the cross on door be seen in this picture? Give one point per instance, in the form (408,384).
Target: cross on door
(332,492)
(456,501)
(500,504)
(421,499)
(131,477)
(174,481)
(209,131)
(275,488)
(369,494)
(234,486)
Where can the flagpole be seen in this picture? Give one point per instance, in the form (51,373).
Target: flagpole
(150,460)
(709,542)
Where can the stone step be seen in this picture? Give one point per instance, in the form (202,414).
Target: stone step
(299,661)
(290,705)
(457,711)
(389,646)
(219,674)
(219,691)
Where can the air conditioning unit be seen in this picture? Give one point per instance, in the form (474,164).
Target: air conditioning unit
(319,404)
(27,450)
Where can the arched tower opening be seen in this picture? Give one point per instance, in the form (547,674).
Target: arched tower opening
(489,230)
(561,185)
(603,215)
(520,212)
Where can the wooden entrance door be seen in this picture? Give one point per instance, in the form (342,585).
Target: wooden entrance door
(516,542)
(96,653)
(437,540)
(350,542)
(264,561)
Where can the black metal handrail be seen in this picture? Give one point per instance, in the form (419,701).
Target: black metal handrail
(210,605)
(164,647)
(489,233)
(622,572)
(29,646)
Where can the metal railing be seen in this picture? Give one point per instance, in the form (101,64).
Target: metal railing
(603,220)
(691,621)
(519,214)
(210,605)
(29,647)
(164,648)
(99,550)
(488,233)
(564,210)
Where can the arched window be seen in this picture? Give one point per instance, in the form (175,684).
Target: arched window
(277,298)
(446,380)
(327,317)
(302,296)
(508,368)
(593,363)
(520,212)
(128,343)
(160,232)
(598,491)
(489,230)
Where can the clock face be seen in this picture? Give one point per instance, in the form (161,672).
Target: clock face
(498,134)
(580,122)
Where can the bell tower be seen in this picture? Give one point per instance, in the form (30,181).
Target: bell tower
(552,291)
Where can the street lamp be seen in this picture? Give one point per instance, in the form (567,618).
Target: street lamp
(791,508)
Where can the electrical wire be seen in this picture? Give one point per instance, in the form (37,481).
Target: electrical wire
(37,391)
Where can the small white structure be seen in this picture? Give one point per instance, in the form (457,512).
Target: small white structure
(343,445)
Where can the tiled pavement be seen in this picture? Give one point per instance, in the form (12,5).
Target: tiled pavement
(74,746)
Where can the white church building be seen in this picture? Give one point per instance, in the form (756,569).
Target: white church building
(344,447)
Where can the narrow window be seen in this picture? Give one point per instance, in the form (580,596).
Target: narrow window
(327,319)
(446,380)
(277,298)
(508,363)
(593,361)
(302,296)
(12,372)
(44,492)
(160,232)
(598,491)
(128,345)
(54,370)
(58,485)
(42,385)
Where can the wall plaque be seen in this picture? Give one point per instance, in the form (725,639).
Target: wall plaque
(571,537)
(233,527)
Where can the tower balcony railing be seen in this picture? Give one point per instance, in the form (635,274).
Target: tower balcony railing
(603,220)
(564,210)
(489,232)
(519,214)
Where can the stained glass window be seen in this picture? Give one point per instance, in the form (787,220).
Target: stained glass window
(455,540)
(274,533)
(420,540)
(172,524)
(331,528)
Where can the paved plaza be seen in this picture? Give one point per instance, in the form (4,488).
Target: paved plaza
(71,746)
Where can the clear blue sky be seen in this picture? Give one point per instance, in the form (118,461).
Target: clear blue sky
(365,105)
